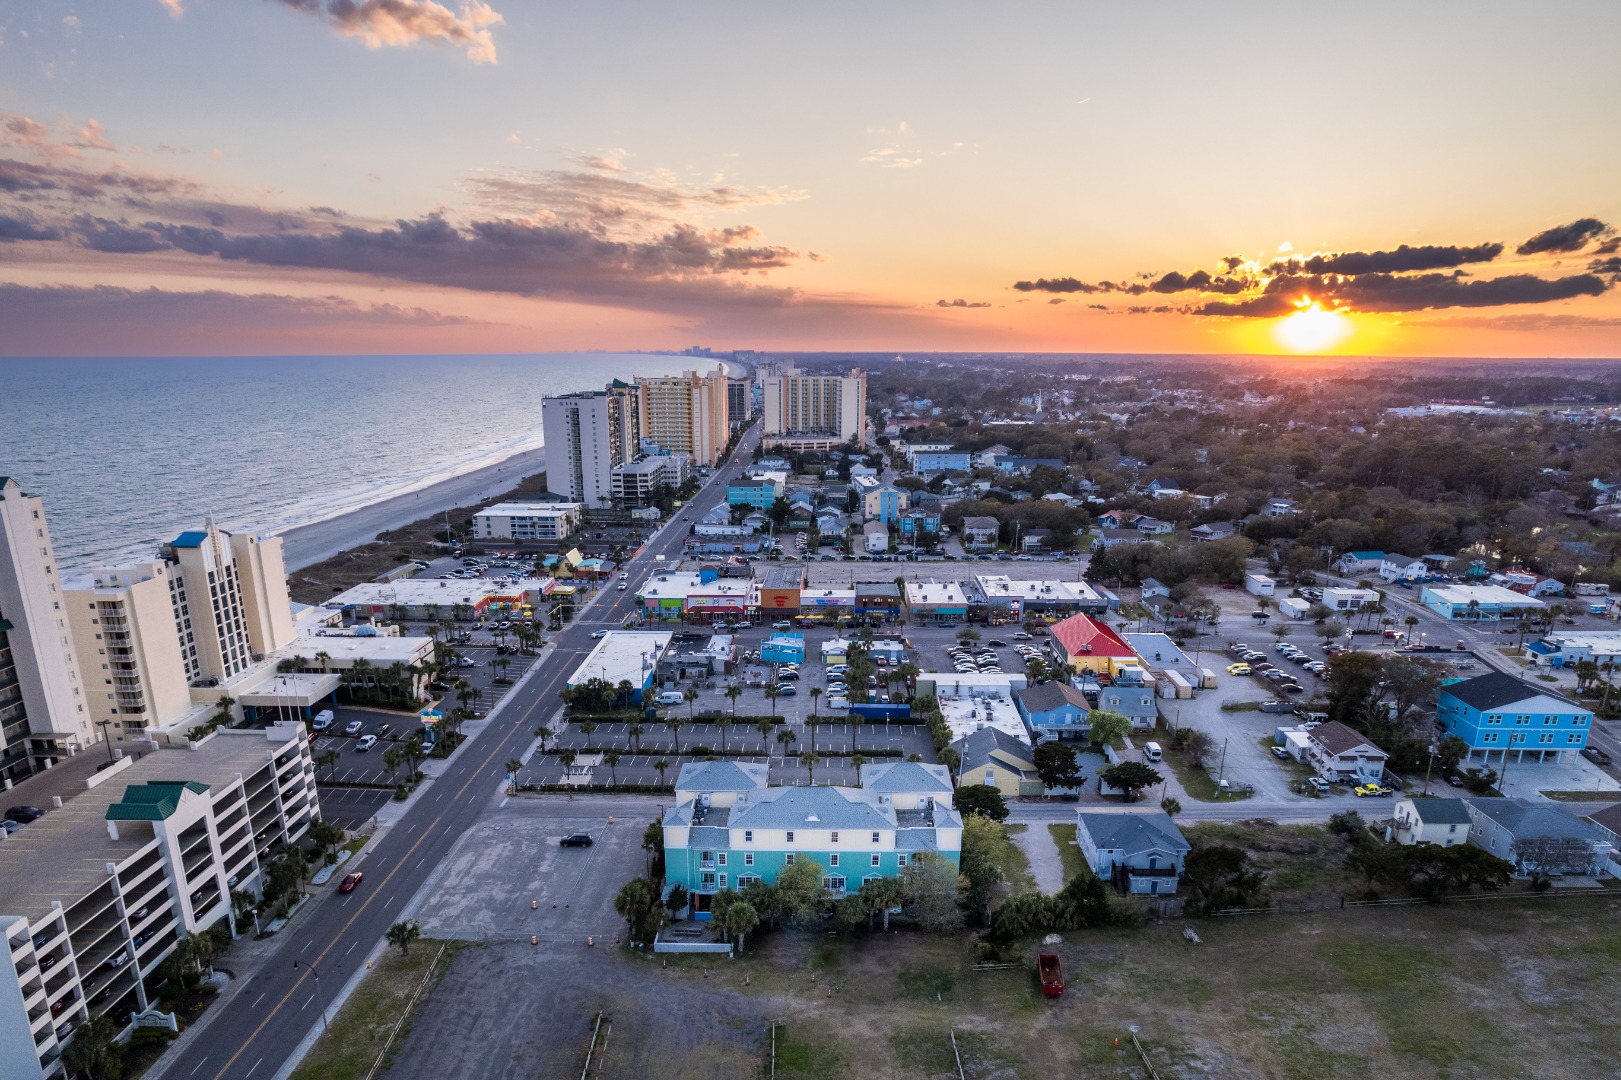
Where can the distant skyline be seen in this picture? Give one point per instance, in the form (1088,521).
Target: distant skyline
(223,177)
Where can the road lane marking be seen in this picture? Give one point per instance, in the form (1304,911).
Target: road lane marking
(256,1064)
(199,1065)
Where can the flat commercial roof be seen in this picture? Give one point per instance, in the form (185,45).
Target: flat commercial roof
(517,509)
(679,586)
(416,592)
(1000,585)
(623,654)
(379,649)
(64,854)
(964,716)
(935,593)
(1483,594)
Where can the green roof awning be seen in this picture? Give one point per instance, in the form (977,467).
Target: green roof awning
(155,800)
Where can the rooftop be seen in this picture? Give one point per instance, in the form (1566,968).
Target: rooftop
(64,854)
(1132,831)
(807,808)
(721,776)
(418,592)
(1440,811)
(1082,635)
(1050,695)
(1481,594)
(1338,739)
(907,777)
(518,509)
(964,716)
(1528,819)
(621,655)
(1493,691)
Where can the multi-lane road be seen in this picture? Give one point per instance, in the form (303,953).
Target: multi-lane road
(257,1027)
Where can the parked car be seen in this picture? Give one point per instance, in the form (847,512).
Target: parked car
(366,743)
(1319,784)
(1595,755)
(24,814)
(1279,752)
(669,697)
(787,691)
(323,720)
(353,727)
(1371,790)
(578,839)
(1238,669)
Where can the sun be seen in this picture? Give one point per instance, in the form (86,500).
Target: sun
(1311,329)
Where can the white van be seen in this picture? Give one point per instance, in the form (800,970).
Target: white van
(322,721)
(1152,752)
(670,697)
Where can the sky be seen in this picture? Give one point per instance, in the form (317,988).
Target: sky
(222,177)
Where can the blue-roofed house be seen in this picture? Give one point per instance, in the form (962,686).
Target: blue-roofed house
(1138,851)
(1353,563)
(1497,713)
(1054,710)
(730,827)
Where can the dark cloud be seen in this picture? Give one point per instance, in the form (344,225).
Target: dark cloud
(961,303)
(1388,292)
(13,229)
(26,176)
(1060,285)
(1564,238)
(1611,265)
(1402,260)
(115,237)
(1061,300)
(1609,247)
(607,195)
(1232,262)
(406,22)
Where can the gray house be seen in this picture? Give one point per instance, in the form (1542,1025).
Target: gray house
(1139,851)
(1132,698)
(1538,838)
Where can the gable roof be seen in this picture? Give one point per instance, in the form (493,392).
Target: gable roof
(1527,819)
(1440,811)
(1133,831)
(1608,818)
(154,800)
(1082,635)
(720,776)
(807,807)
(1338,739)
(1050,695)
(981,523)
(906,776)
(981,746)
(1493,691)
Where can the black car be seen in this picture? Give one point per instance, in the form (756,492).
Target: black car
(1591,753)
(24,814)
(578,839)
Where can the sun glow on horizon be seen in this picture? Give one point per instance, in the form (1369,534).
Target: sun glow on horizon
(1311,329)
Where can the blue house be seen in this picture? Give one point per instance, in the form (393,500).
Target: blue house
(919,522)
(1053,710)
(760,492)
(729,828)
(934,461)
(1497,713)
(1139,852)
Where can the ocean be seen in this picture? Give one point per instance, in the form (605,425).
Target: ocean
(127,453)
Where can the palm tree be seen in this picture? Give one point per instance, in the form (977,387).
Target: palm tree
(733,692)
(908,672)
(809,759)
(773,691)
(691,694)
(661,765)
(610,758)
(858,759)
(724,723)
(815,696)
(673,722)
(393,758)
(635,732)
(514,767)
(587,728)
(567,757)
(786,737)
(402,934)
(764,728)
(543,733)
(323,658)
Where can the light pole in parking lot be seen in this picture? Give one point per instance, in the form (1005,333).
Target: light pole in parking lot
(318,994)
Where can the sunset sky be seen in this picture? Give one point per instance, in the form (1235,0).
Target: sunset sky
(386,176)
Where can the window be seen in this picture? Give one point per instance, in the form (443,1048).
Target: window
(746,880)
(900,860)
(748,836)
(990,777)
(1522,720)
(835,838)
(1490,737)
(748,860)
(723,881)
(875,838)
(1580,721)
(721,858)
(875,859)
(1549,720)
(1547,737)
(833,859)
(833,884)
(788,859)
(790,836)
(1573,737)
(1494,719)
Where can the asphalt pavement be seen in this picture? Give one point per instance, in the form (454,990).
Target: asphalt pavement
(267,1013)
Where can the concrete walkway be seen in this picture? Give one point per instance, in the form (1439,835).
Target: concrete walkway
(1046,866)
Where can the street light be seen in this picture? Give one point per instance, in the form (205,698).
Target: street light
(319,995)
(106,737)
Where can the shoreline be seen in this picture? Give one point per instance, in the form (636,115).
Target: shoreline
(305,545)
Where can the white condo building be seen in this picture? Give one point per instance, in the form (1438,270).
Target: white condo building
(42,708)
(130,859)
(687,414)
(815,409)
(524,522)
(587,435)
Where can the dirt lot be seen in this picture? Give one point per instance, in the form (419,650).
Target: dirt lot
(1488,990)
(318,583)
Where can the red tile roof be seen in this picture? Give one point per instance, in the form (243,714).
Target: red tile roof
(1082,635)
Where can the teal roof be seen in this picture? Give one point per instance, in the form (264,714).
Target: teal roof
(155,800)
(190,539)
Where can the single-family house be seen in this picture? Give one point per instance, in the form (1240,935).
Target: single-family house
(1053,710)
(992,756)
(1153,588)
(980,533)
(1403,568)
(875,537)
(1114,519)
(1213,530)
(1281,508)
(1496,713)
(1131,694)
(1028,465)
(758,521)
(1358,563)
(1034,540)
(829,522)
(1343,755)
(1538,838)
(1443,822)
(1108,538)
(1151,526)
(1138,851)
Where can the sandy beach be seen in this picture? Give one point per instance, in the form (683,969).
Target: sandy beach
(319,540)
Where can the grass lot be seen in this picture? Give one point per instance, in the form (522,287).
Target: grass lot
(1014,864)
(1303,863)
(1602,797)
(1508,988)
(1069,851)
(364,1024)
(1195,779)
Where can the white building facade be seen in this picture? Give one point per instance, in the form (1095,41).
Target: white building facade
(587,436)
(831,407)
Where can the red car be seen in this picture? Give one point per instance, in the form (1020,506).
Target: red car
(350,881)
